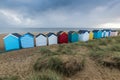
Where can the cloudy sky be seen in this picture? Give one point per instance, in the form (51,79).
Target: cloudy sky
(60,13)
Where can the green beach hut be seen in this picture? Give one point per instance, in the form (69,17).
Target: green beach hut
(73,36)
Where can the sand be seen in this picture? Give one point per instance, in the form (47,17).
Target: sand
(1,41)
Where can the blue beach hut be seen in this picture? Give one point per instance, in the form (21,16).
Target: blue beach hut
(103,33)
(97,34)
(73,36)
(27,40)
(12,42)
(108,32)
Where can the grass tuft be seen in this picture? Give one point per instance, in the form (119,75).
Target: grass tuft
(46,75)
(61,64)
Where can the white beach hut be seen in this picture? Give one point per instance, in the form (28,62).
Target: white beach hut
(41,40)
(52,38)
(83,35)
(114,33)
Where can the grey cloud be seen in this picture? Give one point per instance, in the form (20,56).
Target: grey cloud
(62,13)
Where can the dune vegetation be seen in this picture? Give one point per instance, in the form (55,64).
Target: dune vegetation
(64,61)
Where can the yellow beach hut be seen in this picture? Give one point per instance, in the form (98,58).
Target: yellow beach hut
(91,35)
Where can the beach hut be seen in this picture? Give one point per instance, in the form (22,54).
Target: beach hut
(114,33)
(83,35)
(73,36)
(104,34)
(97,34)
(27,40)
(41,40)
(108,33)
(62,37)
(12,41)
(91,35)
(51,38)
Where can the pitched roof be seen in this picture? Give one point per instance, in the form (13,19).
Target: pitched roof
(13,34)
(107,29)
(29,34)
(90,32)
(16,34)
(82,31)
(103,30)
(49,34)
(40,34)
(113,30)
(59,33)
(71,31)
(96,30)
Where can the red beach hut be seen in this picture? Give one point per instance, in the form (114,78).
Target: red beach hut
(62,37)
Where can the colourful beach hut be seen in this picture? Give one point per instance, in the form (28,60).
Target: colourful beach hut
(97,34)
(113,33)
(27,40)
(73,36)
(41,40)
(108,32)
(91,35)
(116,33)
(12,41)
(104,34)
(62,37)
(51,38)
(83,35)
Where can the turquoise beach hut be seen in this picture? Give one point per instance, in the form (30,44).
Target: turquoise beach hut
(97,34)
(12,42)
(27,40)
(73,36)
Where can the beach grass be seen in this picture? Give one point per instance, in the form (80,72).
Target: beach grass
(65,60)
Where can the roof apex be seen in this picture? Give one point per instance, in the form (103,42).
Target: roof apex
(40,34)
(29,34)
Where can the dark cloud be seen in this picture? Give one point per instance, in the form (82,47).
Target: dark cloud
(55,13)
(44,5)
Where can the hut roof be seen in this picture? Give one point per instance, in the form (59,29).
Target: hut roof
(106,29)
(113,30)
(59,32)
(90,31)
(82,31)
(103,30)
(16,34)
(96,30)
(29,34)
(49,34)
(40,34)
(71,31)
